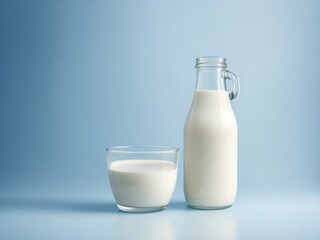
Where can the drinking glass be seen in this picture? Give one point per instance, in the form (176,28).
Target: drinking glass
(142,178)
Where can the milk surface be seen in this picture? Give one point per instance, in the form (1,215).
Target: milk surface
(210,151)
(142,183)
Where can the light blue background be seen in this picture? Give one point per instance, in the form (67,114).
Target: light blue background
(78,76)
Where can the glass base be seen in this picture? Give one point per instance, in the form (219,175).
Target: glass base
(140,209)
(209,208)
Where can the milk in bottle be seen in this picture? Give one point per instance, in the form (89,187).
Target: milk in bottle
(210,138)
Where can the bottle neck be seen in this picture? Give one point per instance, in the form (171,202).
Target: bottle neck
(211,78)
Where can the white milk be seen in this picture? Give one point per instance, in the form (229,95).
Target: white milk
(210,151)
(142,183)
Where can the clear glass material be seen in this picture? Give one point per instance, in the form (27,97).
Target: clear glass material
(213,75)
(142,178)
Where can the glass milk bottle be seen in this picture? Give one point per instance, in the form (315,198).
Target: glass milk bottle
(210,138)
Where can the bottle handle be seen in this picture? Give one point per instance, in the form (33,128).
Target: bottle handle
(236,85)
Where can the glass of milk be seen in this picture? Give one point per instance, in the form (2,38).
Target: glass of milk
(142,178)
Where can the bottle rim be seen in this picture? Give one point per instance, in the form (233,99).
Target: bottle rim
(211,62)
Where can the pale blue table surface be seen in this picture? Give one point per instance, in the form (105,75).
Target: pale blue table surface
(73,216)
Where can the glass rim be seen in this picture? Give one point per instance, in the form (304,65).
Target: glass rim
(142,149)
